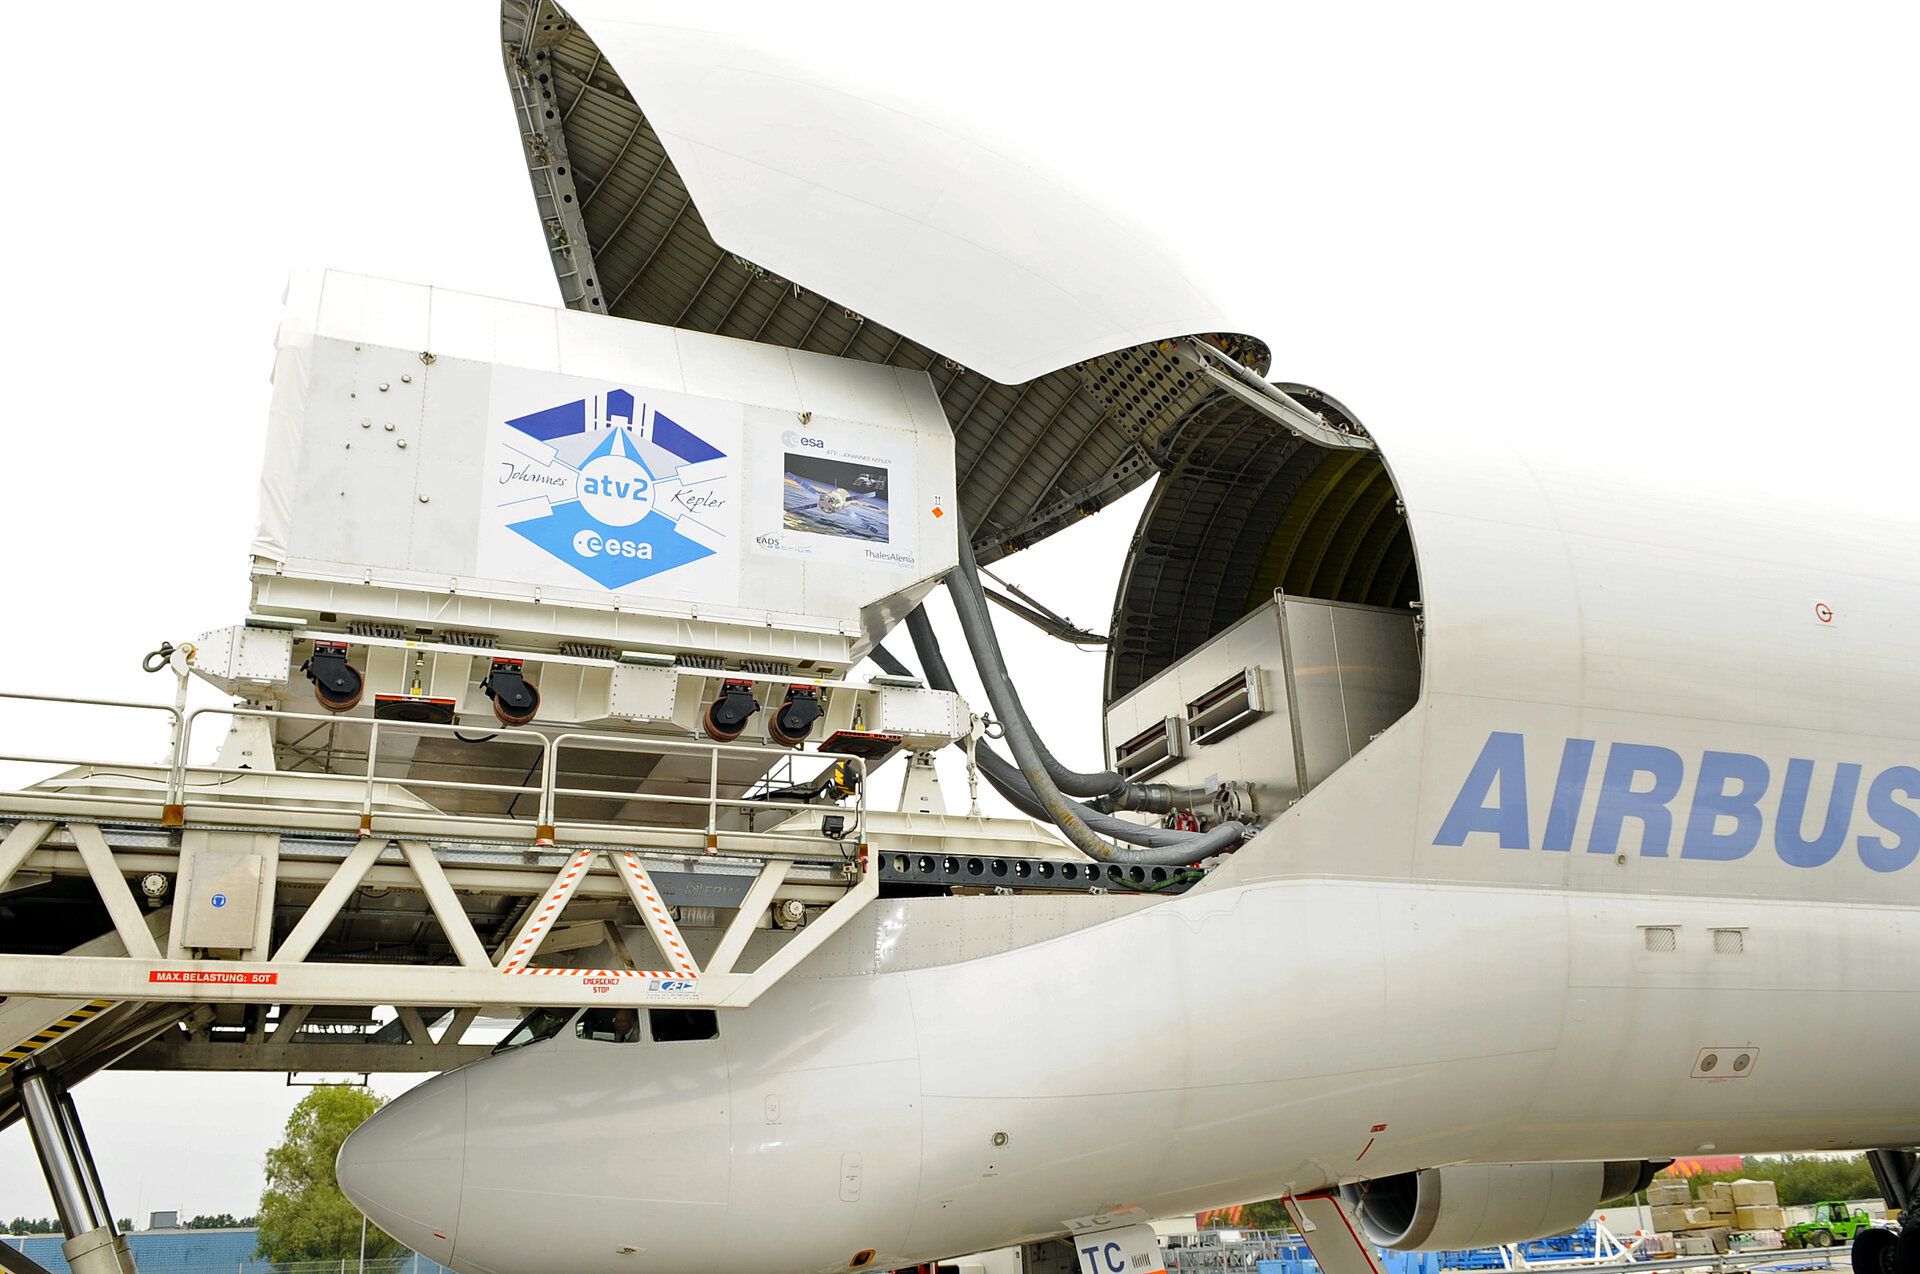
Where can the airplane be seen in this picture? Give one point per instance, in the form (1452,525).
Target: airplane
(1456,856)
(1573,817)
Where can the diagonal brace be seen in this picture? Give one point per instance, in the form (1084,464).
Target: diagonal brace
(333,896)
(539,921)
(128,920)
(654,913)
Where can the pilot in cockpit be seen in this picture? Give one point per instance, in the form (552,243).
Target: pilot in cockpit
(609,1026)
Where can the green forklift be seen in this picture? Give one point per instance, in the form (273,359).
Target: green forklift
(1833,1221)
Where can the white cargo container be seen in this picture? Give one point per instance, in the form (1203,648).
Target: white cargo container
(444,462)
(1273,704)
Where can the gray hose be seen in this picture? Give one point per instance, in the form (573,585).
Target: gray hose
(966,579)
(888,664)
(1005,777)
(970,604)
(1008,781)
(1113,789)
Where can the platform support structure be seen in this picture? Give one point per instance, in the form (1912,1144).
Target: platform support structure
(1332,1233)
(96,1247)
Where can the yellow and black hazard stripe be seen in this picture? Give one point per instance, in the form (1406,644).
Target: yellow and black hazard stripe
(40,1039)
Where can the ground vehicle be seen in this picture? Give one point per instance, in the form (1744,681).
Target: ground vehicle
(1832,1219)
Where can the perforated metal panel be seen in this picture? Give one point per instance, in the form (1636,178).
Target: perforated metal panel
(628,240)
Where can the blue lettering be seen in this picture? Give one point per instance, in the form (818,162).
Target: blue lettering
(1712,802)
(1787,827)
(1090,1253)
(1116,1266)
(1576,760)
(1503,759)
(590,486)
(1619,800)
(1899,819)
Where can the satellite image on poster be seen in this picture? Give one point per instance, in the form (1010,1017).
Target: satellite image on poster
(836,497)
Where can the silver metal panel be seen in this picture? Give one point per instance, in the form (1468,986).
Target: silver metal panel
(222,901)
(642,694)
(1335,677)
(926,717)
(1319,709)
(1260,754)
(1378,657)
(240,656)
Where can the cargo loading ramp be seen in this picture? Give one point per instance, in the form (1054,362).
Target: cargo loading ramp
(206,915)
(324,888)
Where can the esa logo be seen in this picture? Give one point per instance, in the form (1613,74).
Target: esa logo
(591,544)
(793,439)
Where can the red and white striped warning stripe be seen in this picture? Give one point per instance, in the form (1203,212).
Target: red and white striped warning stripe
(659,920)
(570,878)
(599,973)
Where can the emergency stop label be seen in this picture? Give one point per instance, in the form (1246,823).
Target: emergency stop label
(611,485)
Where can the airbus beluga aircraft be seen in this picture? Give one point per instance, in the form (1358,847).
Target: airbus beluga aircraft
(1560,826)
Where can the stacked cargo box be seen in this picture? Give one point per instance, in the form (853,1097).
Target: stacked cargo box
(1705,1226)
(1756,1205)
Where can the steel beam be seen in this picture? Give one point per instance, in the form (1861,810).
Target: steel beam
(333,896)
(797,948)
(543,132)
(539,922)
(466,944)
(128,920)
(752,907)
(21,841)
(14,1261)
(178,1051)
(653,913)
(425,986)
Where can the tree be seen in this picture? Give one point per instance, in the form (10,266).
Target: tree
(219,1221)
(1798,1179)
(303,1215)
(1803,1179)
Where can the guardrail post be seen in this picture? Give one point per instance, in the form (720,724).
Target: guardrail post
(174,814)
(713,802)
(543,833)
(366,800)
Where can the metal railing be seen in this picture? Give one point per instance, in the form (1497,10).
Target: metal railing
(367,788)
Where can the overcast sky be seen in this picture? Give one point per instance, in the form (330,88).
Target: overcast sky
(1654,236)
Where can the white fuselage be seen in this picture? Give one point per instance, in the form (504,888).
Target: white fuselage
(1124,1067)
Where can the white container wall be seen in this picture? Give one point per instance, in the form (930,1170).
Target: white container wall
(451,460)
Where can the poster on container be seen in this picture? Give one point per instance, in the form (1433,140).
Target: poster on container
(617,488)
(840,492)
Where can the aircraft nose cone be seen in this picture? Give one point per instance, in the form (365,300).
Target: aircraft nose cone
(403,1167)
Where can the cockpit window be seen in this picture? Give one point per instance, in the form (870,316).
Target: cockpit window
(683,1024)
(609,1026)
(541,1024)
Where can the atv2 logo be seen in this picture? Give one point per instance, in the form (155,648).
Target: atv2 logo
(616,490)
